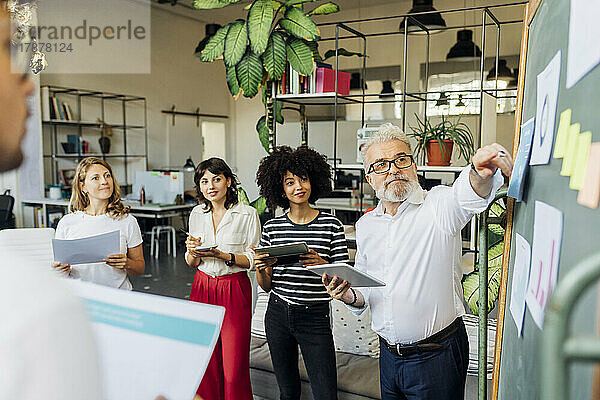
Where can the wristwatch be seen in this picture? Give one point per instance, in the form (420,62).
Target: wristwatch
(232,261)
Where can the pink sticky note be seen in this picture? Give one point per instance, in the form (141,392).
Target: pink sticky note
(590,191)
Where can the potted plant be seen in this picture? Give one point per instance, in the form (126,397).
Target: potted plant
(438,140)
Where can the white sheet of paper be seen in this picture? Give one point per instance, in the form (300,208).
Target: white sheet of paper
(519,280)
(547,94)
(92,249)
(149,345)
(584,31)
(545,253)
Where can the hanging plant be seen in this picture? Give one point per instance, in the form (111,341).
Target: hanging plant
(255,50)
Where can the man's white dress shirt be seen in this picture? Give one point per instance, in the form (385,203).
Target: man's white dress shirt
(417,253)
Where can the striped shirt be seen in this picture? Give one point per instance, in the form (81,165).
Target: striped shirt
(291,281)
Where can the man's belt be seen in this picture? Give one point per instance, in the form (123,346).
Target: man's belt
(432,343)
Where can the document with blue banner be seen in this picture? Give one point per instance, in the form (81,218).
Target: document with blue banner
(149,345)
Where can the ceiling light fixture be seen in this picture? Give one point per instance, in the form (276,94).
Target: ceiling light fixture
(460,101)
(442,101)
(464,49)
(504,74)
(432,21)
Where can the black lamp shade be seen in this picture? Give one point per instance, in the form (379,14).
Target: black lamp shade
(460,103)
(464,49)
(443,100)
(211,29)
(387,90)
(189,164)
(433,21)
(504,74)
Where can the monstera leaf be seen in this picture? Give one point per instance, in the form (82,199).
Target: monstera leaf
(263,132)
(235,43)
(215,46)
(249,73)
(260,18)
(274,56)
(299,55)
(495,252)
(296,23)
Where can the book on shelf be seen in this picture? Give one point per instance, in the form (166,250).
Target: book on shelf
(54,109)
(45,101)
(321,80)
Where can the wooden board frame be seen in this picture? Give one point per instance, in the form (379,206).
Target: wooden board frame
(531,8)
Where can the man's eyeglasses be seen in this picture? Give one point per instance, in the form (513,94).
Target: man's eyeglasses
(383,166)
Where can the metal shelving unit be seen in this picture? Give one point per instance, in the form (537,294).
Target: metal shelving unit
(122,128)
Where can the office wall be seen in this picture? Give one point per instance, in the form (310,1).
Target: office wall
(177,77)
(382,51)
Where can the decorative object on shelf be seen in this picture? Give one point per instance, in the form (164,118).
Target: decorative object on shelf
(67,176)
(504,73)
(210,30)
(255,50)
(189,165)
(387,90)
(432,21)
(438,140)
(104,140)
(464,49)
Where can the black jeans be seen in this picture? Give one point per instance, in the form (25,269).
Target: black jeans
(288,326)
(429,375)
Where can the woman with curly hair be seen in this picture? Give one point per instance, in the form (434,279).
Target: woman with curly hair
(298,310)
(222,275)
(95,208)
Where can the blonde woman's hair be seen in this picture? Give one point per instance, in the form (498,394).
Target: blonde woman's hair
(79,200)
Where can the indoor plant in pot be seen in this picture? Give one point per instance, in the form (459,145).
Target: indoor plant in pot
(438,140)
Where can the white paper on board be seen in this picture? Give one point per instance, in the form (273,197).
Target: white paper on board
(547,96)
(519,280)
(584,31)
(149,345)
(545,253)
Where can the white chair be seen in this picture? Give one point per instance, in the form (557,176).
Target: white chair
(34,243)
(155,240)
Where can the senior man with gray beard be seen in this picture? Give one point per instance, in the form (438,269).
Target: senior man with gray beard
(412,242)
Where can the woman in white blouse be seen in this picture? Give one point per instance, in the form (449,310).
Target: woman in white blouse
(95,207)
(222,279)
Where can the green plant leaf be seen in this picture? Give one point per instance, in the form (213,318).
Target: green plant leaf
(276,6)
(263,132)
(299,55)
(260,205)
(249,73)
(260,18)
(296,23)
(290,3)
(235,43)
(326,8)
(242,196)
(278,105)
(341,52)
(274,56)
(210,4)
(232,1)
(215,46)
(314,48)
(232,81)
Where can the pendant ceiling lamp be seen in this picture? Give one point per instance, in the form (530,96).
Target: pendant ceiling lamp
(504,74)
(442,101)
(464,49)
(387,90)
(433,21)
(460,101)
(211,29)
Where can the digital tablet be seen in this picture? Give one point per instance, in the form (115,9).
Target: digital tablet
(346,272)
(206,247)
(283,250)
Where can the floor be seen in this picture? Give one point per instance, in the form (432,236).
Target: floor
(171,276)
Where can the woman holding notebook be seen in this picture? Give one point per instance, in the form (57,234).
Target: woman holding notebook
(95,208)
(298,310)
(222,231)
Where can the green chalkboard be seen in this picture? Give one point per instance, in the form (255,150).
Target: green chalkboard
(520,366)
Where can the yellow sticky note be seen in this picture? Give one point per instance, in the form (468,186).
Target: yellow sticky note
(571,153)
(590,192)
(584,142)
(562,135)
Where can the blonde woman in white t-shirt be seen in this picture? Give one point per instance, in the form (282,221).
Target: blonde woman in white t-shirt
(95,208)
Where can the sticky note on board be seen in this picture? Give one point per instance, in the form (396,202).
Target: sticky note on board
(584,140)
(562,135)
(571,153)
(590,191)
